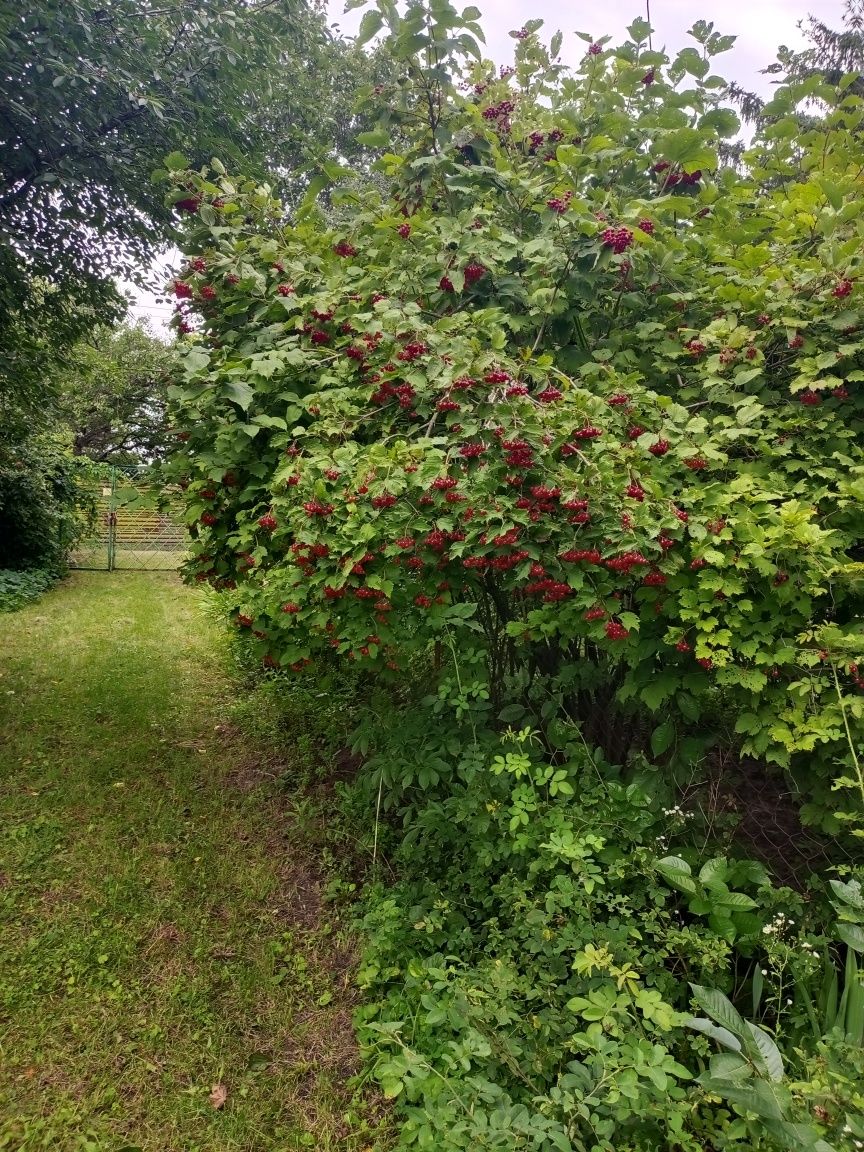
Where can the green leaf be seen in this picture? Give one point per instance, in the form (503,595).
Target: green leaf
(175,162)
(370,25)
(722,120)
(658,689)
(662,738)
(195,361)
(768,1051)
(714,870)
(376,138)
(719,1008)
(721,1035)
(240,393)
(851,934)
(677,872)
(760,1097)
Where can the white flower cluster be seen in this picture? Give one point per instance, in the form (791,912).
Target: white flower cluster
(778,925)
(677,813)
(855,1143)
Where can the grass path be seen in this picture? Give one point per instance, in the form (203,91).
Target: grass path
(161,927)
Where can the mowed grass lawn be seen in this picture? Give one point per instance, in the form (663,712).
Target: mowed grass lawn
(162,933)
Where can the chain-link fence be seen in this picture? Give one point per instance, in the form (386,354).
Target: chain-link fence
(137,525)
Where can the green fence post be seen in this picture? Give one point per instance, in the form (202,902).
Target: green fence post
(112,520)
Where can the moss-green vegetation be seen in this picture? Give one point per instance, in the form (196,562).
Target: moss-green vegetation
(163,924)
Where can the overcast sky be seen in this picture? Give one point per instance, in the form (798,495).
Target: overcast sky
(760,25)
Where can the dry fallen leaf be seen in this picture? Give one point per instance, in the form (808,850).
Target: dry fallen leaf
(219,1095)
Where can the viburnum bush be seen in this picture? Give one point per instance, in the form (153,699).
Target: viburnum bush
(575,394)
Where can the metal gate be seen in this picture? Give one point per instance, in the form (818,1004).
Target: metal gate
(136,526)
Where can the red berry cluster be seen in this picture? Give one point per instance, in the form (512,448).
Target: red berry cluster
(626,561)
(560,204)
(616,631)
(618,239)
(581,555)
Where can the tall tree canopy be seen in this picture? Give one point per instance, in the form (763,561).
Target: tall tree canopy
(113,392)
(93,95)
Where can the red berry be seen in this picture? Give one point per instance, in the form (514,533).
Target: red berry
(616,631)
(618,239)
(659,448)
(268,523)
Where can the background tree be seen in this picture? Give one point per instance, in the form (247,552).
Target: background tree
(830,53)
(93,96)
(113,395)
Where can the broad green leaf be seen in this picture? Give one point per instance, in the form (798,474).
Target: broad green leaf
(715,1031)
(240,393)
(769,1053)
(851,934)
(719,1008)
(370,26)
(662,738)
(765,1099)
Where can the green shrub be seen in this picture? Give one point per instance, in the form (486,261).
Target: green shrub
(591,407)
(44,504)
(533,972)
(20,588)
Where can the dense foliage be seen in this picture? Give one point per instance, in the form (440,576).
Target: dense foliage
(112,394)
(20,588)
(579,405)
(44,505)
(565,426)
(94,95)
